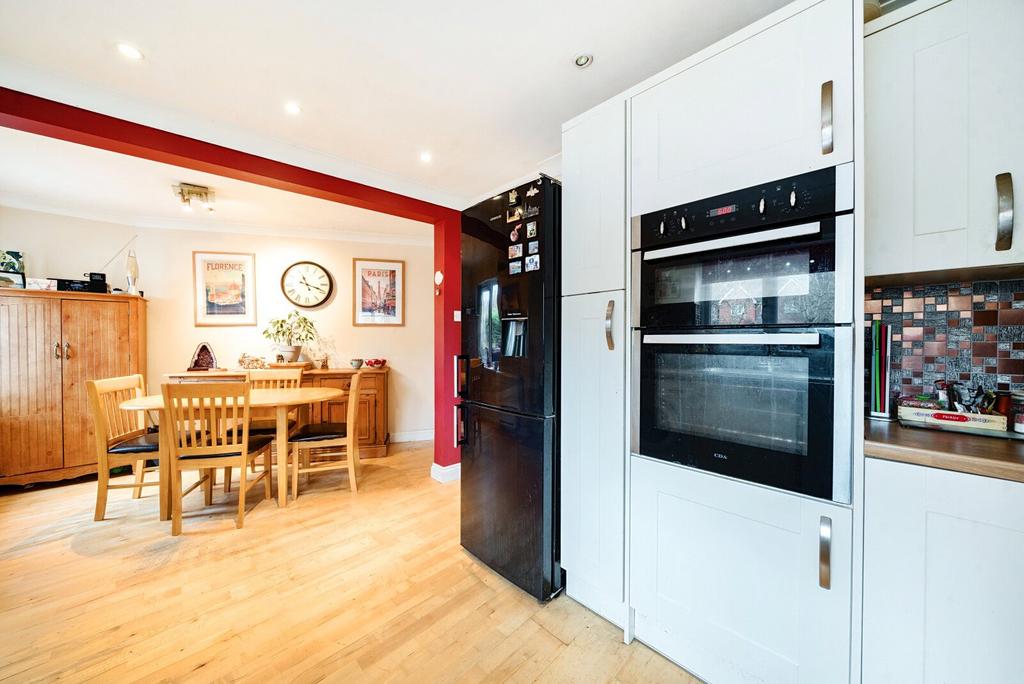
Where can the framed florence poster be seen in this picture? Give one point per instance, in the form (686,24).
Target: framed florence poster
(224,285)
(379,292)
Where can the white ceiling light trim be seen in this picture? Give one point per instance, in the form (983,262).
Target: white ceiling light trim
(129,51)
(292,107)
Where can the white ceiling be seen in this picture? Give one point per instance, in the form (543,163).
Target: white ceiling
(483,85)
(59,177)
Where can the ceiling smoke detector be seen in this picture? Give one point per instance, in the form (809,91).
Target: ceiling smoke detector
(583,61)
(194,196)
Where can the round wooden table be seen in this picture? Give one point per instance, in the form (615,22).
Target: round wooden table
(279,399)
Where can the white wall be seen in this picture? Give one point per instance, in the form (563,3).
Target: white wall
(65,247)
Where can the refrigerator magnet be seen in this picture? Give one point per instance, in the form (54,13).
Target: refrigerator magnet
(513,215)
(532,191)
(531,229)
(515,251)
(513,198)
(514,235)
(533,247)
(515,267)
(533,263)
(530,211)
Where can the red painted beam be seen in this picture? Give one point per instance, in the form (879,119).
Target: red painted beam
(33,114)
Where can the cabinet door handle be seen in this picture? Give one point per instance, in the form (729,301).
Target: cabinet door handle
(827,142)
(56,349)
(825,552)
(1004,207)
(67,350)
(608,338)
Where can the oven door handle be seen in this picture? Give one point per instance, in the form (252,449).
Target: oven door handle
(735,241)
(800,339)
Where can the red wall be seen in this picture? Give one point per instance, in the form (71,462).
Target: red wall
(57,120)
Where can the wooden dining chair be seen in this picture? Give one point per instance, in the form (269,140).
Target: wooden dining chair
(263,421)
(208,426)
(121,437)
(326,436)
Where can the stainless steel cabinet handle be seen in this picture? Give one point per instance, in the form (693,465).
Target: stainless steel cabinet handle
(455,384)
(825,552)
(1004,207)
(608,325)
(827,142)
(56,349)
(67,350)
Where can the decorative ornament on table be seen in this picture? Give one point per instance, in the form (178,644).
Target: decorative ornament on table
(131,272)
(249,362)
(290,334)
(376,363)
(203,359)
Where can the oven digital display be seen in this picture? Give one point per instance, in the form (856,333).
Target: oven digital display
(723,211)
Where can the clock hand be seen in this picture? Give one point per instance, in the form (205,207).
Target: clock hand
(311,287)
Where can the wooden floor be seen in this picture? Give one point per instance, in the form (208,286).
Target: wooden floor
(339,586)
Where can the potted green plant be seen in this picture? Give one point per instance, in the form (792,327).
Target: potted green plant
(290,333)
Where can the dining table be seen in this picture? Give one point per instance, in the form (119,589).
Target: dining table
(282,400)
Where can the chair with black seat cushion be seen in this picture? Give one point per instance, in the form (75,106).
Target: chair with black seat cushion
(327,436)
(122,437)
(264,420)
(208,428)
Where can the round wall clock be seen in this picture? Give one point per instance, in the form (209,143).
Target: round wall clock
(307,284)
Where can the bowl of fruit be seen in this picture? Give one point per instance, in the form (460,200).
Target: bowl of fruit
(376,363)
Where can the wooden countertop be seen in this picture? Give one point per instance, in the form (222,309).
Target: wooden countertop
(238,372)
(990,457)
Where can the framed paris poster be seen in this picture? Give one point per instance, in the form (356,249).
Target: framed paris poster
(379,292)
(224,288)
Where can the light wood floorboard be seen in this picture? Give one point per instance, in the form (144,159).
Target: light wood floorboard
(339,587)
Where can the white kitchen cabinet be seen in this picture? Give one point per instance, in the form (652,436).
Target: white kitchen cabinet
(943,562)
(726,577)
(752,113)
(594,201)
(943,95)
(593,460)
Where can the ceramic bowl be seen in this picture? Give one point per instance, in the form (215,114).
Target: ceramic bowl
(356,363)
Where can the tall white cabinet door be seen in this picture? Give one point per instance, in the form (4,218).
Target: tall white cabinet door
(726,577)
(943,562)
(750,114)
(593,457)
(594,201)
(996,114)
(917,159)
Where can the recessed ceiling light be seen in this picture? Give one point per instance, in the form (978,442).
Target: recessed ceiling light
(583,61)
(292,107)
(129,51)
(425,157)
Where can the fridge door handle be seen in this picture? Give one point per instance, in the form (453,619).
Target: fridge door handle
(458,431)
(608,338)
(798,339)
(460,391)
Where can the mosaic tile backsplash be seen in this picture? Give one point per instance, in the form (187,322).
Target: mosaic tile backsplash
(969,332)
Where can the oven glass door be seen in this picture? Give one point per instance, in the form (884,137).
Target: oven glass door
(754,405)
(747,281)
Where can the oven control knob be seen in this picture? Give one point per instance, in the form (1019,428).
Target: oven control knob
(682,222)
(792,198)
(760,207)
(661,228)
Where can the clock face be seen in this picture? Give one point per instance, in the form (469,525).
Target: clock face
(307,284)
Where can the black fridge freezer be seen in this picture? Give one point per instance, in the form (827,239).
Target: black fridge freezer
(508,385)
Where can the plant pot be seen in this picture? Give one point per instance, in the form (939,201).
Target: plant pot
(290,353)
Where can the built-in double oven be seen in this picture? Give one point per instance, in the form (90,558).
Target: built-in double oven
(743,341)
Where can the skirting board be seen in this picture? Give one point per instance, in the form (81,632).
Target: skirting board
(412,436)
(446,473)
